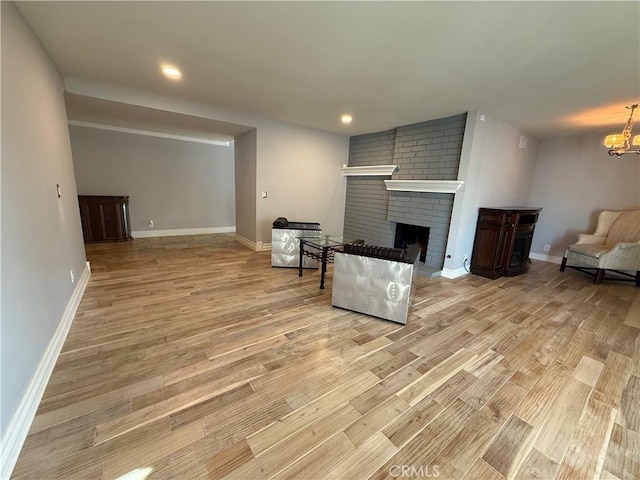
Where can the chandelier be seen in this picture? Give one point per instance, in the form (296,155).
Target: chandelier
(621,143)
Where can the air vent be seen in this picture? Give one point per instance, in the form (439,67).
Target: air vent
(523,143)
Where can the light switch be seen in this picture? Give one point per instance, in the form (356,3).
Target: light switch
(264,194)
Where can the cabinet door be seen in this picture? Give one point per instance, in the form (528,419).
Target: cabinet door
(85,218)
(508,240)
(519,252)
(486,254)
(488,248)
(109,220)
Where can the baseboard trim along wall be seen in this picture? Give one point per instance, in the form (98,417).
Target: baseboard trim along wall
(458,272)
(255,246)
(246,242)
(453,273)
(545,258)
(175,232)
(19,426)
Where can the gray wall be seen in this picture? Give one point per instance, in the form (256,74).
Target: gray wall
(177,184)
(574,180)
(245,171)
(41,234)
(427,150)
(367,198)
(496,173)
(299,167)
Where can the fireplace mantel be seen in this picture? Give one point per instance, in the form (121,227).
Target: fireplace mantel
(369,170)
(433,186)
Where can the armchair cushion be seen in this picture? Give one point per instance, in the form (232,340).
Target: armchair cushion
(589,249)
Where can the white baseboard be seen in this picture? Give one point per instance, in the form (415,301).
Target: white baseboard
(545,258)
(246,242)
(174,232)
(255,246)
(458,272)
(20,423)
(453,273)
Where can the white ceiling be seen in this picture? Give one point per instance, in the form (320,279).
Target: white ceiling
(550,68)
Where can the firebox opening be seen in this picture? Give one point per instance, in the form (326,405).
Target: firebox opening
(412,234)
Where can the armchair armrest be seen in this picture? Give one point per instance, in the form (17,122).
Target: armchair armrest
(624,256)
(626,245)
(591,239)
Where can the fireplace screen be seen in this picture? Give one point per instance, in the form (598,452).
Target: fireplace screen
(521,249)
(412,234)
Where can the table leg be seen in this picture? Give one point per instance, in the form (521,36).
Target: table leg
(301,255)
(324,266)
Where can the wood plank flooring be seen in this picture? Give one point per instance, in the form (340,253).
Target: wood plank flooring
(190,357)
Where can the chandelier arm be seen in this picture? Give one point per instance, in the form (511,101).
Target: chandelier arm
(626,132)
(625,146)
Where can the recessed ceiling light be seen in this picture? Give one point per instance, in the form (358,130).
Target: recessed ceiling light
(171,72)
(346,118)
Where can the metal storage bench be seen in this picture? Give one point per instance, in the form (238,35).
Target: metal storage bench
(376,281)
(285,247)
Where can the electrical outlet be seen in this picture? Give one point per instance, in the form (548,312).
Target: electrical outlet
(547,247)
(73,278)
(150,223)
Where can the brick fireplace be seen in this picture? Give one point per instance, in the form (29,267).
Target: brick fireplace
(423,151)
(407,234)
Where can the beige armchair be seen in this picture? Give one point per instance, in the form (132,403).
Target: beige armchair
(615,246)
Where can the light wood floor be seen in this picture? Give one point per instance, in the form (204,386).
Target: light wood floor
(190,357)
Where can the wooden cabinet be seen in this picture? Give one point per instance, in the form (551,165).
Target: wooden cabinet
(503,241)
(104,218)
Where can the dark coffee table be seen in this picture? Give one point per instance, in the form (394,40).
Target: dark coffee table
(319,248)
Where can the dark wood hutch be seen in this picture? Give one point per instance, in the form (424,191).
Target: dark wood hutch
(503,241)
(104,218)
